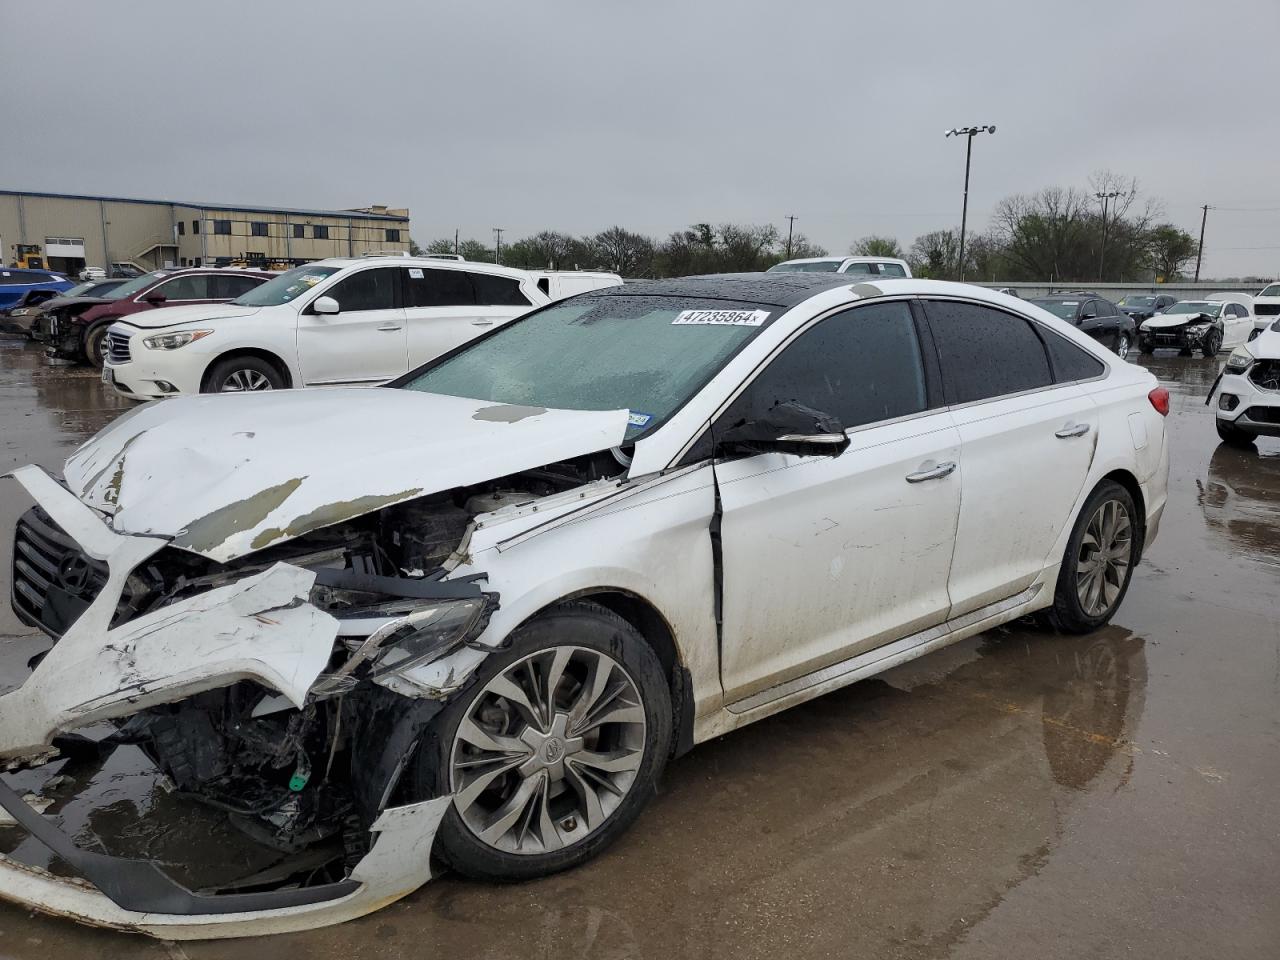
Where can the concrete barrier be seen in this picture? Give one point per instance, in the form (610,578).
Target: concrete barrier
(1114,291)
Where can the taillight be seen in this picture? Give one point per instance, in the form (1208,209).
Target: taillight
(1159,398)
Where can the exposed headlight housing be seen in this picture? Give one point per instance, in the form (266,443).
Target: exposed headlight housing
(420,636)
(1197,329)
(1239,361)
(172,341)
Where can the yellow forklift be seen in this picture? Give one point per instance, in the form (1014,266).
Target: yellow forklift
(28,256)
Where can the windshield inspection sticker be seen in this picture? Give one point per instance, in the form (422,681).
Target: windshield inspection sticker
(721,318)
(638,419)
(415,273)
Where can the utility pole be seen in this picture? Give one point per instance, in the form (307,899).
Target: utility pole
(1204,215)
(1104,197)
(969,133)
(791,224)
(497,253)
(455,241)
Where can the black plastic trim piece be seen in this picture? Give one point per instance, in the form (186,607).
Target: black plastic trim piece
(142,887)
(461,589)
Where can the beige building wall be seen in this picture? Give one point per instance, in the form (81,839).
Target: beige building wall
(153,234)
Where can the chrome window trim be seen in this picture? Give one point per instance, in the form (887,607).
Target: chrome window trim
(944,408)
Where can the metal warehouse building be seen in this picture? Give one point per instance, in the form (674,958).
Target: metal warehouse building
(73,231)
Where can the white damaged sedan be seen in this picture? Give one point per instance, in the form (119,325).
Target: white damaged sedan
(466,619)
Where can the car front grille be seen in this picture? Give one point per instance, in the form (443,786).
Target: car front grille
(1266,309)
(1263,414)
(54,581)
(117,347)
(1167,339)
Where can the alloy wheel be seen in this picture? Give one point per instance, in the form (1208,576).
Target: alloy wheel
(547,750)
(1122,347)
(1105,553)
(239,381)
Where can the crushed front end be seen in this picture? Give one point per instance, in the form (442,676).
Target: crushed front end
(269,690)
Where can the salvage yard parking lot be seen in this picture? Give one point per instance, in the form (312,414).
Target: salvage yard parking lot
(1017,794)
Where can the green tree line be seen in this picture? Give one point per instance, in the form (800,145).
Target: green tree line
(1056,234)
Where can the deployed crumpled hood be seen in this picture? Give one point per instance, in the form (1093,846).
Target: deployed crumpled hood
(58,303)
(171,316)
(227,474)
(1166,320)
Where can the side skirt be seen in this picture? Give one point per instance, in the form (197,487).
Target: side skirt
(876,661)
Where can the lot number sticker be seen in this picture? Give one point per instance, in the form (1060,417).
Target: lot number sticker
(721,318)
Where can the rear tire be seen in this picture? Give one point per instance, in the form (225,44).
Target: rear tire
(1235,436)
(1099,561)
(241,375)
(553,773)
(1122,346)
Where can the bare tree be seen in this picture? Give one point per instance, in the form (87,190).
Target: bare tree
(627,253)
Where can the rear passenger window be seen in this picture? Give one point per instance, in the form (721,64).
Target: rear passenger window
(367,290)
(192,287)
(985,352)
(892,270)
(230,286)
(861,366)
(862,269)
(1069,361)
(439,288)
(494,291)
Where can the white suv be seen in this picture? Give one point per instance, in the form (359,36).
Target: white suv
(338,321)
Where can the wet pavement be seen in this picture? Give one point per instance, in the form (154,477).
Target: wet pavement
(1016,795)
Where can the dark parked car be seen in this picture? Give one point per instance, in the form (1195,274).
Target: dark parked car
(81,335)
(34,320)
(1097,316)
(1144,306)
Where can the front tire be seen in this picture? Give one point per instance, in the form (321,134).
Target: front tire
(242,375)
(1212,343)
(1146,347)
(1235,436)
(95,345)
(1099,561)
(552,751)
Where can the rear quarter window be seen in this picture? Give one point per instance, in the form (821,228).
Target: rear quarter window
(1069,361)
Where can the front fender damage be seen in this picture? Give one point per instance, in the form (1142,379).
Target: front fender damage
(260,631)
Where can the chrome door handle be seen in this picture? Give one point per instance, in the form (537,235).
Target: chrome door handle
(390,327)
(482,323)
(934,473)
(1075,430)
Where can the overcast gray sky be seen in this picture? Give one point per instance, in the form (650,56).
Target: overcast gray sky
(575,116)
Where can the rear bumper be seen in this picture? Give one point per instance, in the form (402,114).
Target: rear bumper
(261,628)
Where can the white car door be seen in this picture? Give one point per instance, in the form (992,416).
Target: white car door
(447,307)
(365,341)
(1237,322)
(825,557)
(1027,432)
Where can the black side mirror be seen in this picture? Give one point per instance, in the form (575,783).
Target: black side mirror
(155,297)
(788,427)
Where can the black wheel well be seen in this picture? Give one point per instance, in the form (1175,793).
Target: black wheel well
(267,355)
(1130,483)
(653,626)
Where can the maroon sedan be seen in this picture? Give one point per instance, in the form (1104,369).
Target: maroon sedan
(80,335)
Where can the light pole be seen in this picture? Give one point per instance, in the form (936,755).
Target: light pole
(1102,253)
(969,133)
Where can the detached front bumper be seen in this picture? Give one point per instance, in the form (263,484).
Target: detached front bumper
(261,628)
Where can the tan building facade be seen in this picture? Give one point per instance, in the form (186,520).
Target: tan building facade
(74,231)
